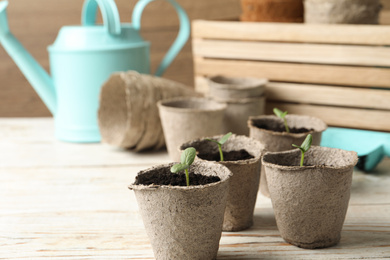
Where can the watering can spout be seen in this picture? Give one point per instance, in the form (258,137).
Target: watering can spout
(35,74)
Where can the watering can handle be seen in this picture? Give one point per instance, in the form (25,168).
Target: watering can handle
(109,12)
(182,36)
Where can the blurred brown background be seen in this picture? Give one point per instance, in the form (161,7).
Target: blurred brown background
(36,23)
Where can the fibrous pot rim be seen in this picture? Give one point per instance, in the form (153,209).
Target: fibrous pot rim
(297,153)
(167,102)
(254,83)
(255,158)
(152,187)
(240,100)
(291,116)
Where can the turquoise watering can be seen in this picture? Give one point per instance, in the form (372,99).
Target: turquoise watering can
(82,58)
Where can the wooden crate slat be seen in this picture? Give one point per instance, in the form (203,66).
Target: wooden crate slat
(377,120)
(293,52)
(304,73)
(319,94)
(329,95)
(340,73)
(282,32)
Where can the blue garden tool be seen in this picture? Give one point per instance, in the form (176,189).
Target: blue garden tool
(82,58)
(371,146)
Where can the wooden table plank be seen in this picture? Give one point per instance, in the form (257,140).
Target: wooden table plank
(75,208)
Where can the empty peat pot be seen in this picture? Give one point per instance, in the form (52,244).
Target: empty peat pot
(184,119)
(310,202)
(244,182)
(342,11)
(233,88)
(184,222)
(262,128)
(238,111)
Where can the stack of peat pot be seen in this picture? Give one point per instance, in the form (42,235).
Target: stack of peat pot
(244,97)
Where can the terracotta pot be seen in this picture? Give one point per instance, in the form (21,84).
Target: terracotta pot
(244,97)
(342,11)
(184,222)
(185,119)
(282,141)
(310,202)
(287,11)
(128,114)
(244,183)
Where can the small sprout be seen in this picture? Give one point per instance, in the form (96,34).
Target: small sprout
(305,146)
(279,113)
(186,159)
(220,142)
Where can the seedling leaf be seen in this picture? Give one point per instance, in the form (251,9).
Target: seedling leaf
(279,113)
(305,146)
(179,167)
(307,143)
(224,138)
(188,156)
(220,142)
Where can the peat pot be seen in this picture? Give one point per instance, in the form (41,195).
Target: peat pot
(128,114)
(342,11)
(184,222)
(244,97)
(310,202)
(238,111)
(244,183)
(260,128)
(185,118)
(233,88)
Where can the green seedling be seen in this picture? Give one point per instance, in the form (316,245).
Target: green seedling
(220,142)
(305,146)
(186,159)
(279,113)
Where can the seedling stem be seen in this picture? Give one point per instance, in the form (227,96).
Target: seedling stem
(186,159)
(279,113)
(305,146)
(220,142)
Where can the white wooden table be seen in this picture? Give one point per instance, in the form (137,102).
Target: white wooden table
(70,201)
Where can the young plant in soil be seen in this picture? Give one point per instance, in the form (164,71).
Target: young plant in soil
(186,159)
(305,146)
(220,142)
(279,113)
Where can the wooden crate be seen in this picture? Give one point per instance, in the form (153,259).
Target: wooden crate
(340,73)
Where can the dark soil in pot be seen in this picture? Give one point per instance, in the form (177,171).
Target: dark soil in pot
(280,129)
(228,156)
(174,179)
